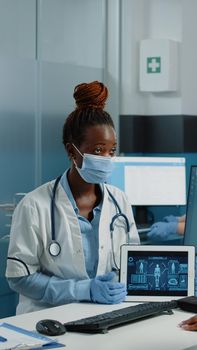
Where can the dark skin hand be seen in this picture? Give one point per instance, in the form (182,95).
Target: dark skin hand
(189,324)
(99,140)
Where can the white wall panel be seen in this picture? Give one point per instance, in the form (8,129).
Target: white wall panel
(17,28)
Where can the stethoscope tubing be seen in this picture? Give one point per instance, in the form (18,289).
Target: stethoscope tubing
(53,208)
(54,246)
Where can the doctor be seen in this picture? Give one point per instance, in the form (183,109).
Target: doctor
(60,247)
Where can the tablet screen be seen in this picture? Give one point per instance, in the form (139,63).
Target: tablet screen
(158,273)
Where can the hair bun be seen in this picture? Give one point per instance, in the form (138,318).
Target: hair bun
(93,95)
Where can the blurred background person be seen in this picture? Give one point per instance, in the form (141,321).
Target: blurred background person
(170,225)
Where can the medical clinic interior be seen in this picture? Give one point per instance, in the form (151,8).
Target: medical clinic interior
(145,53)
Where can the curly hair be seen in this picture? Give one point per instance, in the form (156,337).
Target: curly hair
(90,102)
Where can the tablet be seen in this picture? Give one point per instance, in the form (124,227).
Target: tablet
(157,273)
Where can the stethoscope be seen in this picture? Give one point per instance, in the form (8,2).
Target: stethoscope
(54,246)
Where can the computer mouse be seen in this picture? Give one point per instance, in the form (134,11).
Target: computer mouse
(50,327)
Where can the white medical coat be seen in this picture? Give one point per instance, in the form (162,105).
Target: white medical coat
(31,236)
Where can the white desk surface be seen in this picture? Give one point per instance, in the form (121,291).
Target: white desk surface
(156,333)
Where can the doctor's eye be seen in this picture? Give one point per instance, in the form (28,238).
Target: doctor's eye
(103,151)
(113,151)
(98,150)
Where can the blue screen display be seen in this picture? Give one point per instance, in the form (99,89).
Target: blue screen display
(157,273)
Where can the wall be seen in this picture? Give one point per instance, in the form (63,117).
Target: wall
(17,100)
(65,60)
(170,19)
(147,19)
(151,19)
(46,48)
(189,57)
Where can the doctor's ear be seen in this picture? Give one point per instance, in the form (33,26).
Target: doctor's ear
(70,151)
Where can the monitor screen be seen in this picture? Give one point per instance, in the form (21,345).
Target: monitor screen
(158,133)
(190,236)
(151,180)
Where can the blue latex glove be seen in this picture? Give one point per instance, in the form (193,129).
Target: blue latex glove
(170,218)
(103,291)
(162,230)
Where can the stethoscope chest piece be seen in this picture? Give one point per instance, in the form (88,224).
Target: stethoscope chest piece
(54,248)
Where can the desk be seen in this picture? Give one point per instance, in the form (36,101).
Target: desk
(156,333)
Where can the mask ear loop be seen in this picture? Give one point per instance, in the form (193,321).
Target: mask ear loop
(75,164)
(77,149)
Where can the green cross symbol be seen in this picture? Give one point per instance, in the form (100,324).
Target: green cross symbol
(153,64)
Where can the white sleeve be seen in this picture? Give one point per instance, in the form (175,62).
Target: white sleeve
(25,245)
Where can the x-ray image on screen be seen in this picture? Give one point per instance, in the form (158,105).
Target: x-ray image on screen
(157,274)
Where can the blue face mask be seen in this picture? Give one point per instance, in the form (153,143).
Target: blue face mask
(95,169)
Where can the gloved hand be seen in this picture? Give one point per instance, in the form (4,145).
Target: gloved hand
(103,291)
(161,230)
(170,218)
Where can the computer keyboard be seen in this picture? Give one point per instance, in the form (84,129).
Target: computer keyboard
(102,322)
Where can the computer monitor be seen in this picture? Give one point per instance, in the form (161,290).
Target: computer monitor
(190,235)
(157,133)
(151,181)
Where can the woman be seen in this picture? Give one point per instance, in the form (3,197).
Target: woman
(78,265)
